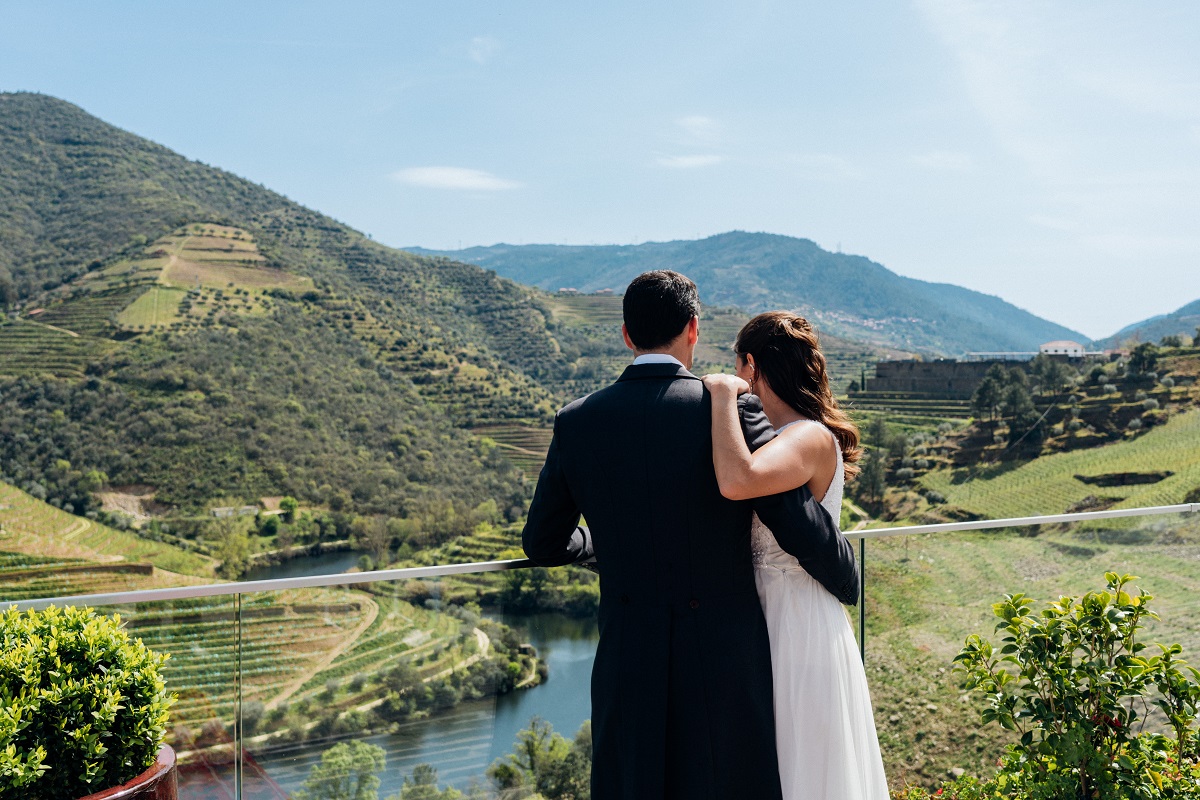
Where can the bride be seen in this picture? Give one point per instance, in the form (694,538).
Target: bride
(824,723)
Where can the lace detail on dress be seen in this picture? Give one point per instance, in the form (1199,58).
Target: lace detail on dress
(764,550)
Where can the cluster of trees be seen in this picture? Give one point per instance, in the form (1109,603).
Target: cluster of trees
(405,694)
(542,766)
(60,484)
(1005,393)
(505,666)
(1009,392)
(574,591)
(889,452)
(1177,339)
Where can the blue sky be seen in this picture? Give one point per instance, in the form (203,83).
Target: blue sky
(1045,152)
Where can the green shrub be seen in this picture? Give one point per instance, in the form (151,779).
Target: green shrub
(1074,684)
(82,706)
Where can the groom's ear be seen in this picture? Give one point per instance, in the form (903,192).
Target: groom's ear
(693,331)
(625,336)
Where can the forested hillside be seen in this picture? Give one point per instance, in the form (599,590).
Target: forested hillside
(1182,323)
(175,325)
(847,295)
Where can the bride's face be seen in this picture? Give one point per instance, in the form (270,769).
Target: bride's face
(744,368)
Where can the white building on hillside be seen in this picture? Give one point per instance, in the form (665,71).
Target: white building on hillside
(1062,348)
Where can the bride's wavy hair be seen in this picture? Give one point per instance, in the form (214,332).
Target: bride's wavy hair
(787,355)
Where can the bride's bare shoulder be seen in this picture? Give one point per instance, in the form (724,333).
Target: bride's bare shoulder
(811,437)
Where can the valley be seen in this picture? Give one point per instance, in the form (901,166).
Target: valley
(198,375)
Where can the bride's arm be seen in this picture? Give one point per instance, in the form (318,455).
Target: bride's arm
(784,463)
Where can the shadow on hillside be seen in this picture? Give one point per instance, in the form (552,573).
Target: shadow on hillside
(983,472)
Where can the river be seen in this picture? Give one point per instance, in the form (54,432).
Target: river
(462,742)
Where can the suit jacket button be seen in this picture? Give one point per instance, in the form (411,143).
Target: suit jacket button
(625,599)
(694,603)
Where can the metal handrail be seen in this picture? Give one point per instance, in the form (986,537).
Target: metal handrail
(272,585)
(1013,522)
(441,570)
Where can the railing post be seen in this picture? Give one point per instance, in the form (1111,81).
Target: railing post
(237,705)
(862,599)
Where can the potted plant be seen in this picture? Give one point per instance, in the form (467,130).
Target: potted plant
(83,709)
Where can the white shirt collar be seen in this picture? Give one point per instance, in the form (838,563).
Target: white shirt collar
(656,358)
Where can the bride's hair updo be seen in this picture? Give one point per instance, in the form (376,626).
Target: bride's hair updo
(787,355)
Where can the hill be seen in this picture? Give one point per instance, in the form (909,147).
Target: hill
(850,296)
(180,327)
(1183,322)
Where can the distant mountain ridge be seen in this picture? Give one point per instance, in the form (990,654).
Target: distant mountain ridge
(847,295)
(1182,321)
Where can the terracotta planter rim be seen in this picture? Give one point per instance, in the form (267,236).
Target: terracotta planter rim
(163,764)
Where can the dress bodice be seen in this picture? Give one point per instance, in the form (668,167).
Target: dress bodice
(766,551)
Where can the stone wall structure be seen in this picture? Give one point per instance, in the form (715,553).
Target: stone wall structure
(943,380)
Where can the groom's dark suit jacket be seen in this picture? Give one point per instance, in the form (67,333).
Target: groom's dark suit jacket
(681,686)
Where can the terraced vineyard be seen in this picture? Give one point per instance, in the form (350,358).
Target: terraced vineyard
(908,405)
(52,582)
(34,528)
(282,649)
(471,385)
(30,348)
(20,562)
(400,631)
(1047,485)
(159,306)
(523,445)
(280,639)
(221,257)
(584,310)
(93,313)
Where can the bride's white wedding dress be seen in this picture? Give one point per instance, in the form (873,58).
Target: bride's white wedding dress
(824,723)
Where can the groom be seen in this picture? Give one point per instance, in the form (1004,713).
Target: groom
(681,685)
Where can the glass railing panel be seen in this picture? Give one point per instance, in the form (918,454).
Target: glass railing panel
(204,672)
(405,678)
(926,593)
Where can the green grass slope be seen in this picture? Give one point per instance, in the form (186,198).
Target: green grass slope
(38,531)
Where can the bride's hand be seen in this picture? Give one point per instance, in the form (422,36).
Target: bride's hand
(718,383)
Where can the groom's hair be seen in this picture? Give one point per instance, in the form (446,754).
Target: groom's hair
(658,305)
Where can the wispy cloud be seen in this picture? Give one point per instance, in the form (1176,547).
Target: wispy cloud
(697,136)
(689,162)
(482,48)
(699,130)
(944,161)
(455,178)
